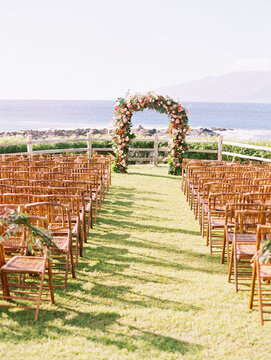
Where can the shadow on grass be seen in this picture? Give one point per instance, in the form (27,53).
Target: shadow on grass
(118,212)
(171,177)
(117,218)
(146,341)
(70,321)
(101,255)
(67,317)
(130,225)
(125,294)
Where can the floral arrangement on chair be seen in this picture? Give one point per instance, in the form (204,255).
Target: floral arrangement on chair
(178,126)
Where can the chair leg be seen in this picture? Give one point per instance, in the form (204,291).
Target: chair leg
(260,292)
(199,217)
(192,200)
(202,223)
(5,287)
(100,200)
(66,270)
(210,241)
(72,265)
(80,240)
(39,296)
(76,250)
(182,181)
(91,217)
(104,189)
(252,286)
(228,251)
(84,229)
(195,205)
(51,287)
(223,249)
(230,265)
(235,271)
(207,232)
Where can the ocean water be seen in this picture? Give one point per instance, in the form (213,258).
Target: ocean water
(72,114)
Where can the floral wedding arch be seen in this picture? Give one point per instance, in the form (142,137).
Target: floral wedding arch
(178,126)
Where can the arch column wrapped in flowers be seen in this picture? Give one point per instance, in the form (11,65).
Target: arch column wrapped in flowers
(178,126)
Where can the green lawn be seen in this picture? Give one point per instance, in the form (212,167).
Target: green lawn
(147,288)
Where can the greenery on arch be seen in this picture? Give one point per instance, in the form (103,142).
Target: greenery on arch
(178,126)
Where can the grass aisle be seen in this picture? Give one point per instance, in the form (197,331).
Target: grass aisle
(146,289)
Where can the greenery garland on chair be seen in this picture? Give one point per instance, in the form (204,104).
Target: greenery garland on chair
(178,126)
(12,220)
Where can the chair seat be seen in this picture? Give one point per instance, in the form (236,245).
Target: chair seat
(60,241)
(265,272)
(24,264)
(242,237)
(13,244)
(216,222)
(246,237)
(247,250)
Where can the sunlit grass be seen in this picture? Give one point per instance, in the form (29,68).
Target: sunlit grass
(147,288)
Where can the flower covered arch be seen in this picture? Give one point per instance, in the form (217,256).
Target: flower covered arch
(178,126)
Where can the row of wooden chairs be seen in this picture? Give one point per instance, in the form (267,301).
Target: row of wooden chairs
(64,195)
(232,202)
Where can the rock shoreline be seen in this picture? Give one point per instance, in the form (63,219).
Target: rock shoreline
(139,131)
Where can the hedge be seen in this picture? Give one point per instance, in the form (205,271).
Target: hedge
(145,144)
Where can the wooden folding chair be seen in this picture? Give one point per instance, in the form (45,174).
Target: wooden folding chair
(261,272)
(73,201)
(27,287)
(215,186)
(231,208)
(216,217)
(244,243)
(59,220)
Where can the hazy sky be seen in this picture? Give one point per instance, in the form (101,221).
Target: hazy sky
(86,49)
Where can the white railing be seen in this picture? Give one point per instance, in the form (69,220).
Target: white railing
(154,152)
(246,146)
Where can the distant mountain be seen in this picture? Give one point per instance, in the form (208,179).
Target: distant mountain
(247,86)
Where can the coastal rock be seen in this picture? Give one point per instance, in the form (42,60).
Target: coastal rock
(162,132)
(138,131)
(201,132)
(219,129)
(145,132)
